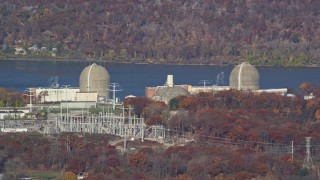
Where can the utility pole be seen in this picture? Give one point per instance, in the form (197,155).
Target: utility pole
(66,88)
(204,82)
(114,90)
(30,99)
(308,163)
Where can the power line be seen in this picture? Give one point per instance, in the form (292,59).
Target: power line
(114,90)
(288,144)
(232,140)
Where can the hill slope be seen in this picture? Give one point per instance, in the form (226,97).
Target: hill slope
(273,32)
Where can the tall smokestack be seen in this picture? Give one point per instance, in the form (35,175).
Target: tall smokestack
(169,82)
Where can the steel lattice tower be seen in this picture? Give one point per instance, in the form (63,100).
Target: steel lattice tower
(308,163)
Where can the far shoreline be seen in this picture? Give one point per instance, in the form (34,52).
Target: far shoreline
(73,60)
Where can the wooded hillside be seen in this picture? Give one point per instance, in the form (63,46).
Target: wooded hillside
(273,32)
(228,135)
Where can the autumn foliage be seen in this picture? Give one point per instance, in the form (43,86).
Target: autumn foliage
(198,32)
(227,135)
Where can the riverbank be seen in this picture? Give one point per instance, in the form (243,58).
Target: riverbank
(119,62)
(98,61)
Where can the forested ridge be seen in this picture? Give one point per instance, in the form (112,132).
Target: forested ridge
(222,32)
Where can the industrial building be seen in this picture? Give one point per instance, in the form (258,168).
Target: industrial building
(43,95)
(243,77)
(13,113)
(94,83)
(168,91)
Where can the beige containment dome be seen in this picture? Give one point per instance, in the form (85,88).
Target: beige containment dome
(245,76)
(95,78)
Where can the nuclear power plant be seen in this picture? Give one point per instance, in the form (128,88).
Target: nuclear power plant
(94,81)
(242,77)
(94,84)
(93,91)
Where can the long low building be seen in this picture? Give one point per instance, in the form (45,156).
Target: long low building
(13,112)
(54,94)
(48,95)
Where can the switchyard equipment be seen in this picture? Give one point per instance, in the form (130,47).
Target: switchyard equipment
(108,123)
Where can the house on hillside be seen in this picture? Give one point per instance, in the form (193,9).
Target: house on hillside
(33,48)
(20,51)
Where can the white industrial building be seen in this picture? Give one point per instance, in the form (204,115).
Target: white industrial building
(45,95)
(94,83)
(54,94)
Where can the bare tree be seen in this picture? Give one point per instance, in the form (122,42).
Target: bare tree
(14,167)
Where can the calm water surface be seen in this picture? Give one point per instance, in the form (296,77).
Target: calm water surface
(134,78)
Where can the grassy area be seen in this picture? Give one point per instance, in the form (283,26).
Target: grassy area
(44,175)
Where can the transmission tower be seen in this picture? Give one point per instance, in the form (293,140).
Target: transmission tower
(308,160)
(114,86)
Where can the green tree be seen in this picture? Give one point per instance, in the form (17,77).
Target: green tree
(111,55)
(303,172)
(123,53)
(174,103)
(295,38)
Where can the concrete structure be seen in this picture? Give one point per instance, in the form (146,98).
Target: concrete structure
(94,85)
(150,91)
(213,89)
(87,96)
(165,94)
(169,90)
(43,95)
(95,78)
(245,77)
(13,130)
(78,105)
(282,91)
(242,77)
(169,82)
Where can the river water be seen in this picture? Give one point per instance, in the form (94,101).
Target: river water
(133,78)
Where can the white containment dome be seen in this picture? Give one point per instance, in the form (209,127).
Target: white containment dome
(95,78)
(244,77)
